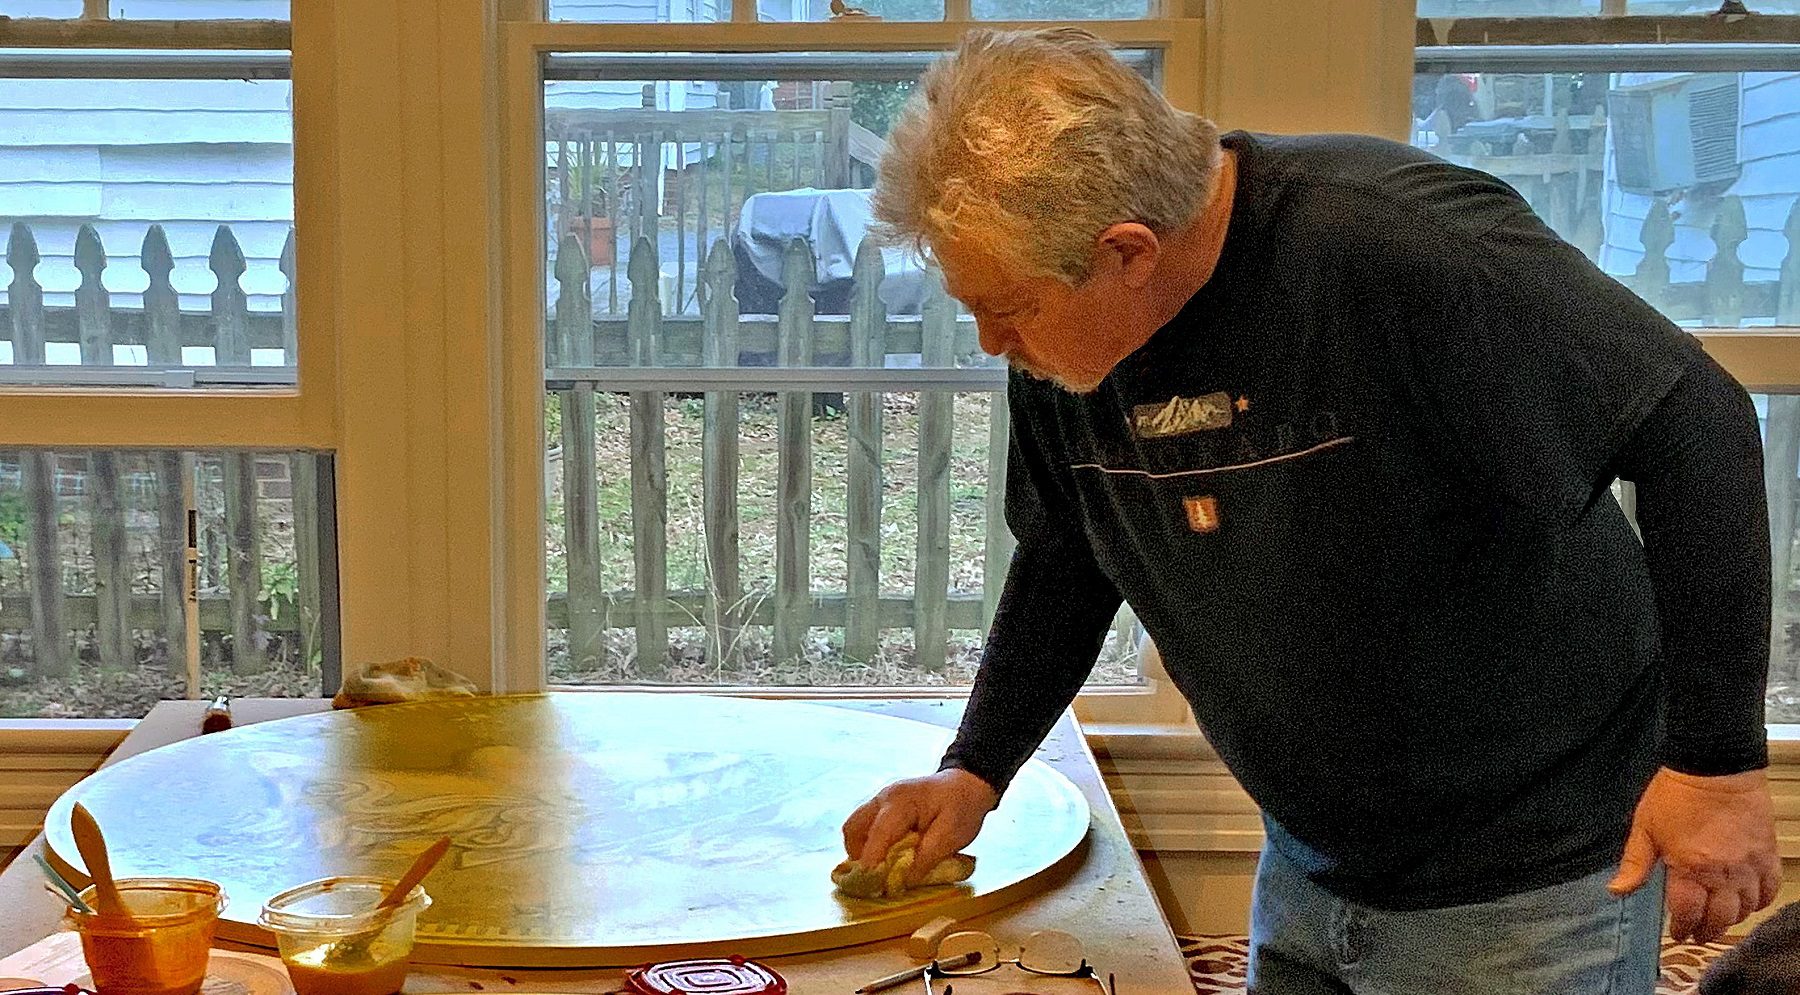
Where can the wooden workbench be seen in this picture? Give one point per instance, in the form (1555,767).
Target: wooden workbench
(1106,900)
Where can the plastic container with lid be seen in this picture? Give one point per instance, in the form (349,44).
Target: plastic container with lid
(334,942)
(163,948)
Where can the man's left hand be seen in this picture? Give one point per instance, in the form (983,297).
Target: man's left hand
(1716,835)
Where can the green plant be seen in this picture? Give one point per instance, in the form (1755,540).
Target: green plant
(12,516)
(875,105)
(280,588)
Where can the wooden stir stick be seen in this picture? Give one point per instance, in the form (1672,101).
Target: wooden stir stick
(356,946)
(92,846)
(421,866)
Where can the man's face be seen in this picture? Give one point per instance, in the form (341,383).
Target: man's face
(1040,324)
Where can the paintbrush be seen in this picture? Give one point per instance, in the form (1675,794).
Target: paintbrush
(60,885)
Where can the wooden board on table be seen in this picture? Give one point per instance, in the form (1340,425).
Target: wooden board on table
(589,830)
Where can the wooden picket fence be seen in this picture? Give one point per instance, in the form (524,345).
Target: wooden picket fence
(162,329)
(718,336)
(582,346)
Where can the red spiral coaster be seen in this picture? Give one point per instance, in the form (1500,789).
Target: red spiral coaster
(712,976)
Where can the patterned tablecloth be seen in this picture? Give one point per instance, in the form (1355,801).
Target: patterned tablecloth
(1217,964)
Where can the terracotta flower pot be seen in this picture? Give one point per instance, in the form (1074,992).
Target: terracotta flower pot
(599,234)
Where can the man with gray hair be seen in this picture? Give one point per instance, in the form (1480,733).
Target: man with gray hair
(1339,420)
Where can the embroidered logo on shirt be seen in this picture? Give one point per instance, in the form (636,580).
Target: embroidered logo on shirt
(1181,415)
(1202,513)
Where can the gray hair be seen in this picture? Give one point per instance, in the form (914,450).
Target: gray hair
(1032,143)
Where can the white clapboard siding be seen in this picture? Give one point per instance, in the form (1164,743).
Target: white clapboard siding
(187,154)
(1769,146)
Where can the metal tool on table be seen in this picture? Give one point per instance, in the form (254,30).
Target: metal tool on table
(915,973)
(61,886)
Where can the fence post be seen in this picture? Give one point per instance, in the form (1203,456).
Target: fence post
(837,140)
(1781,458)
(574,346)
(37,469)
(25,299)
(290,328)
(997,556)
(931,573)
(719,458)
(649,468)
(649,185)
(162,346)
(868,348)
(112,581)
(230,314)
(1651,280)
(1561,186)
(793,486)
(1590,188)
(303,488)
(1725,272)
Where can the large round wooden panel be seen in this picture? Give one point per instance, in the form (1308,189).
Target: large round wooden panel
(589,829)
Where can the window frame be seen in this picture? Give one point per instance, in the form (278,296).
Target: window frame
(391,216)
(1764,359)
(526,40)
(297,417)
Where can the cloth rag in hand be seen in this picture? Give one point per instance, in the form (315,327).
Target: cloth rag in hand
(888,878)
(411,679)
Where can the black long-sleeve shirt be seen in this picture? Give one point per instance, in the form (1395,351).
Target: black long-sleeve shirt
(1358,493)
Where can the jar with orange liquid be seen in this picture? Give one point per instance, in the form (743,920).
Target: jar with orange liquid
(163,948)
(334,941)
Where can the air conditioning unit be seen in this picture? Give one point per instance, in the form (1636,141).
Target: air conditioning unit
(1676,133)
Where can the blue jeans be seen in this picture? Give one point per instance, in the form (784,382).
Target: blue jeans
(1567,939)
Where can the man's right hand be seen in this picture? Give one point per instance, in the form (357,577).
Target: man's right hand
(946,809)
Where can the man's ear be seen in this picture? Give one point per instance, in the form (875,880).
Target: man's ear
(1134,249)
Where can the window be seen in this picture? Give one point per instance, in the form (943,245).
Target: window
(151,233)
(156,10)
(1685,185)
(150,343)
(93,552)
(772,454)
(1587,8)
(689,11)
(760,532)
(1676,168)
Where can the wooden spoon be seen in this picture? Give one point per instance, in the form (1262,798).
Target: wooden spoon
(355,947)
(92,847)
(421,866)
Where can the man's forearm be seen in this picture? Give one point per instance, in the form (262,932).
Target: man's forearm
(1697,463)
(1048,629)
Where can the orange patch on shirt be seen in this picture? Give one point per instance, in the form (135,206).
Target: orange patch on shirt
(1202,513)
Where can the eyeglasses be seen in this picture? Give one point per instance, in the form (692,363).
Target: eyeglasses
(1050,953)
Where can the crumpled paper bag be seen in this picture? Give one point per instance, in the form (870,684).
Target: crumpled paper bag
(411,679)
